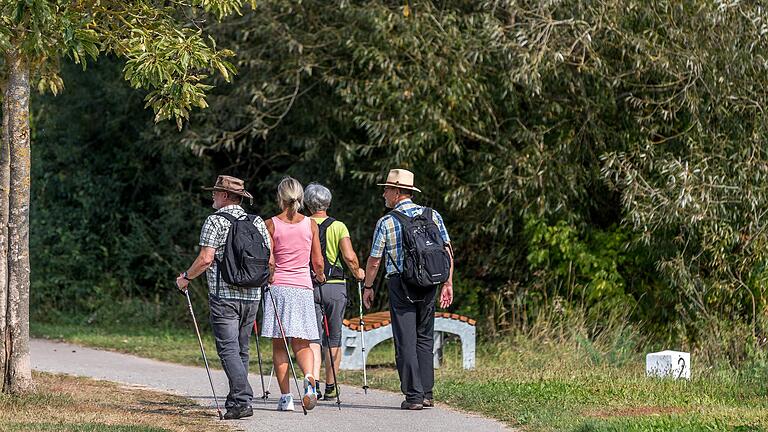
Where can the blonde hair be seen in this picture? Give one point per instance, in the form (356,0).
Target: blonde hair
(290,195)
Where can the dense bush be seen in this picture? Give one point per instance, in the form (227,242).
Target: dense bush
(114,211)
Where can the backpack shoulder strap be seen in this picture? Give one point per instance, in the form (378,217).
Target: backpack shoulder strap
(226,216)
(329,221)
(401,217)
(232,219)
(404,221)
(322,230)
(254,219)
(326,223)
(427,213)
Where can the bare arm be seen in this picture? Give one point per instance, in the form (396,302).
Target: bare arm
(317,254)
(199,266)
(371,268)
(202,262)
(446,294)
(449,248)
(271,229)
(350,257)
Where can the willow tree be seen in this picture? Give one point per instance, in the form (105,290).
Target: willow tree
(638,123)
(167,53)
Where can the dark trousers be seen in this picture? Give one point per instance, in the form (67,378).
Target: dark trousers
(232,323)
(413,329)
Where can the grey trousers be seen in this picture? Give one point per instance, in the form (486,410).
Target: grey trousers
(232,323)
(413,330)
(335,302)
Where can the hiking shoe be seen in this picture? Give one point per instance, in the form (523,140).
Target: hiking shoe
(428,403)
(411,406)
(330,392)
(238,412)
(317,390)
(310,395)
(285,403)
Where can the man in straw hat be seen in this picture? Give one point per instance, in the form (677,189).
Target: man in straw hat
(412,308)
(233,309)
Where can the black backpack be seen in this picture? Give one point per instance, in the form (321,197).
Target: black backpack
(246,255)
(332,271)
(425,261)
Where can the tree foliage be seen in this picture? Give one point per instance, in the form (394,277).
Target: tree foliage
(164,43)
(606,153)
(167,54)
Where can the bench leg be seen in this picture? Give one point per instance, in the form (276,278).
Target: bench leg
(468,349)
(438,352)
(353,345)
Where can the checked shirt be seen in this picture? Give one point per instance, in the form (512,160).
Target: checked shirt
(387,239)
(214,234)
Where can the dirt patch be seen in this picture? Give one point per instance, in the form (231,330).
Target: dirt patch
(67,400)
(633,412)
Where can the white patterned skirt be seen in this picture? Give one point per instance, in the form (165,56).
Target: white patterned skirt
(296,309)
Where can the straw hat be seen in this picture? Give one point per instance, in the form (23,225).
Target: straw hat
(230,184)
(400,178)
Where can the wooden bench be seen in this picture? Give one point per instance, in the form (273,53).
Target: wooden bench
(378,328)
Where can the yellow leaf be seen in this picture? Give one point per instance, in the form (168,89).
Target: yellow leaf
(406,11)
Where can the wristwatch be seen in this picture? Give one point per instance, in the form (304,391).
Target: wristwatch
(185,275)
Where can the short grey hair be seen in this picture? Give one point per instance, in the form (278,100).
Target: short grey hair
(317,197)
(290,194)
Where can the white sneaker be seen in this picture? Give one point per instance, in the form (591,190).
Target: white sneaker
(285,403)
(310,395)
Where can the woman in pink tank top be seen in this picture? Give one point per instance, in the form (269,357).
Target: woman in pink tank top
(293,241)
(296,246)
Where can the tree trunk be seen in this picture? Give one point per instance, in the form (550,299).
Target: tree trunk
(18,368)
(5,178)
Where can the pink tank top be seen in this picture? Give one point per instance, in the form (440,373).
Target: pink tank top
(292,246)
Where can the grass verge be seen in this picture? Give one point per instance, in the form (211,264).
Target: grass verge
(537,385)
(65,403)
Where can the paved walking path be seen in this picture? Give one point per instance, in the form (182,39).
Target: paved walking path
(376,411)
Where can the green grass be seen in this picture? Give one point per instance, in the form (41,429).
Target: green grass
(540,386)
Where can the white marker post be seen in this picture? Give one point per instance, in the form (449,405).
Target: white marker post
(668,364)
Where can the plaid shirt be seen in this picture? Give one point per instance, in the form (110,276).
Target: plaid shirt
(214,234)
(387,239)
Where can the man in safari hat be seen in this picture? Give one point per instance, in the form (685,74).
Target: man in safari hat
(412,308)
(233,309)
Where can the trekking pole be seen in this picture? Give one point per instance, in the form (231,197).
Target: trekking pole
(362,335)
(271,374)
(202,350)
(328,338)
(265,392)
(287,352)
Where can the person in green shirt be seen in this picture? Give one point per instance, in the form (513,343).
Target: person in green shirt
(337,247)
